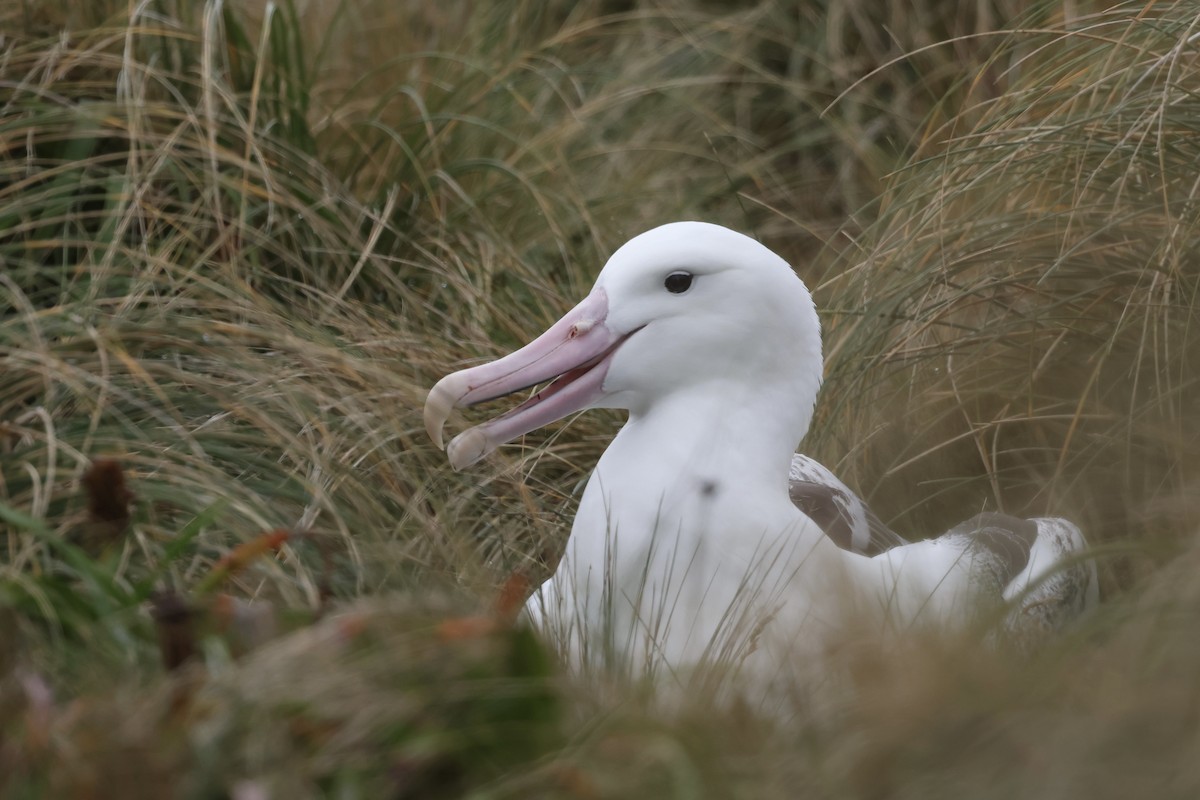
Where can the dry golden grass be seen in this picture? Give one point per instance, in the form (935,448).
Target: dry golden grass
(1018,322)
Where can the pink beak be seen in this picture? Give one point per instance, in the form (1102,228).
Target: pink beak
(576,350)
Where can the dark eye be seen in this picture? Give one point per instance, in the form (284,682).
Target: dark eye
(678,282)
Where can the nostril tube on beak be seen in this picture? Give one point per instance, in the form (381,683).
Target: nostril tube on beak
(581,327)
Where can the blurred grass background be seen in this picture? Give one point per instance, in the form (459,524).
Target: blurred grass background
(238,242)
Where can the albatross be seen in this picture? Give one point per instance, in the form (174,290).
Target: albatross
(701,534)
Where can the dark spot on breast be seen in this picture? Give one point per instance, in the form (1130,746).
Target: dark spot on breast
(708,488)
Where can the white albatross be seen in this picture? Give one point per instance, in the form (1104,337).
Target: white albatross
(690,543)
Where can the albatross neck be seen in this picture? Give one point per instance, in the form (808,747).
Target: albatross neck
(745,436)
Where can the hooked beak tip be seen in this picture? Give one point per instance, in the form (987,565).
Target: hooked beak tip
(443,397)
(572,347)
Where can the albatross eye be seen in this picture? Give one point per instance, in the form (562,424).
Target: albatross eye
(678,282)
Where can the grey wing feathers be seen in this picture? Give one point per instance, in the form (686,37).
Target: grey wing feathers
(837,510)
(1058,583)
(999,544)
(1036,564)
(881,537)
(1032,562)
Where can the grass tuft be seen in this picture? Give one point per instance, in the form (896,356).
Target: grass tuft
(1017,325)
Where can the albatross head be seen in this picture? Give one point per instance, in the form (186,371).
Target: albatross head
(683,307)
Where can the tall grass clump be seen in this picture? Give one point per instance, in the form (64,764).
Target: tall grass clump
(1017,328)
(169,244)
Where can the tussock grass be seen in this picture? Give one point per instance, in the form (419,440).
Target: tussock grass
(1020,318)
(239,243)
(167,280)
